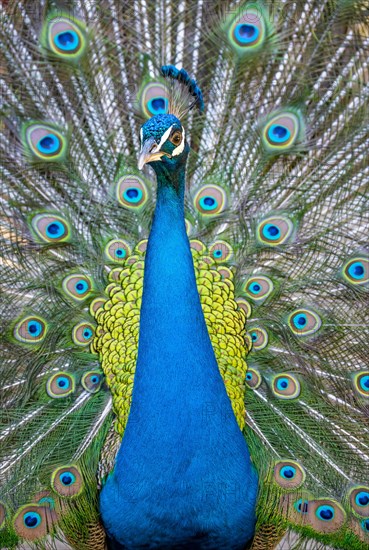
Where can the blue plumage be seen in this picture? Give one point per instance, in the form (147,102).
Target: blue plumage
(183,471)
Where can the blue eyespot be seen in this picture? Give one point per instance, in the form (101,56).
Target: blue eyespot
(288,472)
(365,525)
(158,105)
(81,287)
(55,230)
(132,194)
(362,498)
(302,506)
(300,320)
(254,336)
(364,382)
(34,328)
(282,383)
(91,381)
(217,253)
(249,376)
(120,253)
(325,513)
(208,203)
(255,288)
(32,520)
(246,33)
(356,271)
(87,333)
(67,41)
(63,382)
(271,232)
(67,478)
(49,144)
(278,133)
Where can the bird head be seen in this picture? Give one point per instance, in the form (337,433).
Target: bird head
(163,143)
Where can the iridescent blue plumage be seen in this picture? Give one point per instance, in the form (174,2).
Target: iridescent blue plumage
(187,470)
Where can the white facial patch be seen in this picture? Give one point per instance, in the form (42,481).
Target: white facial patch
(178,150)
(164,138)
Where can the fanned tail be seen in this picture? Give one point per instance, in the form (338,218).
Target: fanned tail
(277,191)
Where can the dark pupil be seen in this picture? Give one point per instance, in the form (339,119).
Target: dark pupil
(30,521)
(249,376)
(158,103)
(280,131)
(65,38)
(358,270)
(326,514)
(86,334)
(79,286)
(288,474)
(119,252)
(284,384)
(364,500)
(94,379)
(47,142)
(218,252)
(254,337)
(209,201)
(256,287)
(61,383)
(366,524)
(32,328)
(132,193)
(366,383)
(303,507)
(53,228)
(273,230)
(66,479)
(247,31)
(301,320)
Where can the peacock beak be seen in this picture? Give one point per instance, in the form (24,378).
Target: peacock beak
(149,152)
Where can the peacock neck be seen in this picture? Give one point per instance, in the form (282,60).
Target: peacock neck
(182,444)
(176,373)
(172,325)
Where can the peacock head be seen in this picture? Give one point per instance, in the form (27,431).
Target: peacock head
(163,144)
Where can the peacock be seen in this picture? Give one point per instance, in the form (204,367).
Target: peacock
(184,274)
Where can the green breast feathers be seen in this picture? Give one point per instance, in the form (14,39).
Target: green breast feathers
(118,318)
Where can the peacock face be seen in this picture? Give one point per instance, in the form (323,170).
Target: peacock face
(163,141)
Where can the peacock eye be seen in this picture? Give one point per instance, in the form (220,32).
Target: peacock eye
(288,474)
(30,330)
(60,385)
(44,141)
(176,138)
(359,500)
(253,378)
(325,515)
(67,481)
(83,333)
(32,521)
(91,381)
(302,506)
(285,386)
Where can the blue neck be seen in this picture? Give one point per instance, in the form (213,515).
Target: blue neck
(176,363)
(182,440)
